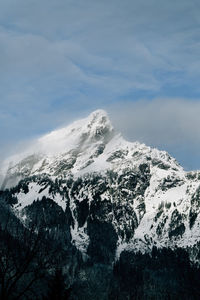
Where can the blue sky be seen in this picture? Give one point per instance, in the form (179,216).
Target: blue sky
(59,60)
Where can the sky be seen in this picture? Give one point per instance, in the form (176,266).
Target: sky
(139,60)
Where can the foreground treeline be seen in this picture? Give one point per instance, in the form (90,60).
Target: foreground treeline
(34,264)
(38,261)
(36,271)
(165,274)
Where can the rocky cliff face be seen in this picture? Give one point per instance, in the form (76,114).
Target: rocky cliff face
(102,194)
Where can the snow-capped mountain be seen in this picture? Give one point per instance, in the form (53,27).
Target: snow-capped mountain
(88,145)
(69,149)
(116,194)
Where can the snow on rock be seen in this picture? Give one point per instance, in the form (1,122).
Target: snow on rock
(145,194)
(34,194)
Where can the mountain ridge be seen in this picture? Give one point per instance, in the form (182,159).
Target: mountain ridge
(94,132)
(141,195)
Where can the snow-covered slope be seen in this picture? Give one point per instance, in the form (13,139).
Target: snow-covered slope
(88,145)
(143,194)
(69,149)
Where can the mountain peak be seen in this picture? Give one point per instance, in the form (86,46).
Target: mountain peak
(75,146)
(99,113)
(85,146)
(95,127)
(99,116)
(98,121)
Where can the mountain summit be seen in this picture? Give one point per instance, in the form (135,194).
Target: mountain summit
(87,145)
(71,148)
(94,129)
(141,197)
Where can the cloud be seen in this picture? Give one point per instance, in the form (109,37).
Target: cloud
(160,120)
(106,46)
(169,124)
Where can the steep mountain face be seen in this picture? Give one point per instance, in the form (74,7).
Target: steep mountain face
(106,194)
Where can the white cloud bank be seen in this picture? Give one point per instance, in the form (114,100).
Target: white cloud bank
(159,121)
(169,124)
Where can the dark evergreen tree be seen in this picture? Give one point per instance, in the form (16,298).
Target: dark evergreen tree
(57,288)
